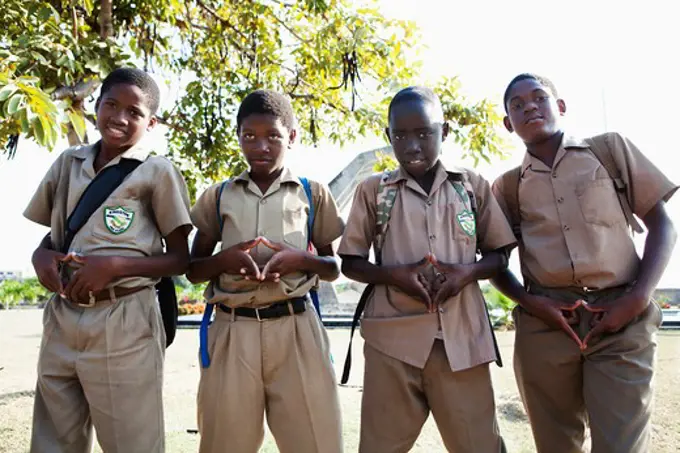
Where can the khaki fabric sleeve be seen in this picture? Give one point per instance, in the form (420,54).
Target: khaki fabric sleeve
(170,199)
(328,225)
(204,212)
(646,184)
(493,229)
(361,223)
(39,209)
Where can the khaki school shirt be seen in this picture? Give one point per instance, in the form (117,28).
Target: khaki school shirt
(150,203)
(280,215)
(397,324)
(574,232)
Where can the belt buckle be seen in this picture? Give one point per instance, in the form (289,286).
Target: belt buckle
(91,302)
(257,315)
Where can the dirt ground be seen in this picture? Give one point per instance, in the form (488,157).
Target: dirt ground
(20,332)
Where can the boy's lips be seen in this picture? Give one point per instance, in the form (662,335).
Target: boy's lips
(533,119)
(115,132)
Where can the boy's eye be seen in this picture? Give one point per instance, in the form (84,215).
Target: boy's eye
(248,136)
(135,114)
(275,137)
(399,137)
(425,134)
(541,98)
(516,106)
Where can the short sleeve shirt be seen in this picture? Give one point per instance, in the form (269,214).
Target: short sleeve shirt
(150,203)
(280,215)
(574,232)
(397,324)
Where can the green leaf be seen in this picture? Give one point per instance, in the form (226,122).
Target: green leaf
(14,103)
(38,131)
(7,91)
(78,123)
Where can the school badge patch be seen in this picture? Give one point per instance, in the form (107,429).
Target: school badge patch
(466,220)
(118,219)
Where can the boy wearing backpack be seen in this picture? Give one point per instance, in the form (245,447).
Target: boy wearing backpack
(101,356)
(428,339)
(585,339)
(266,350)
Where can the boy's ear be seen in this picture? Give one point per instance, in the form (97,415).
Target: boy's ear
(387,132)
(507,124)
(562,106)
(292,135)
(152,123)
(445,130)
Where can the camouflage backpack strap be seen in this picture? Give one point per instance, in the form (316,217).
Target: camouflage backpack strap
(385,197)
(467,219)
(387,193)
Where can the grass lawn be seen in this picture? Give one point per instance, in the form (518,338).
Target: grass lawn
(20,339)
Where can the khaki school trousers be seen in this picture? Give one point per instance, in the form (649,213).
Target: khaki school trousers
(608,386)
(398,398)
(279,367)
(100,366)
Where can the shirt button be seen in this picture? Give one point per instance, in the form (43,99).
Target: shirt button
(554,175)
(263,201)
(429,202)
(441,309)
(566,227)
(560,200)
(261,233)
(432,236)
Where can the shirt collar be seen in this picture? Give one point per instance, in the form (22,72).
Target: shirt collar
(569,142)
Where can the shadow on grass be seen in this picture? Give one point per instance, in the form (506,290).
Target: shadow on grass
(6,398)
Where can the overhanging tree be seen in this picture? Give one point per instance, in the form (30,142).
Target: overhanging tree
(339,63)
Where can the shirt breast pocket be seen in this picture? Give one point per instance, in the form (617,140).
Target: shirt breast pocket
(599,203)
(119,221)
(295,227)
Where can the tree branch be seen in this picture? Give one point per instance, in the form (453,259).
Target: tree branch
(106,19)
(76,92)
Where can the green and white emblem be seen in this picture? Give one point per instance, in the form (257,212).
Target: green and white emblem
(118,219)
(466,220)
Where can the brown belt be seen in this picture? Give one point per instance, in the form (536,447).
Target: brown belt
(110,293)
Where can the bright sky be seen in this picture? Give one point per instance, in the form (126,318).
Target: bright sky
(612,61)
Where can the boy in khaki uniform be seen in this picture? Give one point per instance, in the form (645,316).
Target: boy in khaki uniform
(584,345)
(428,340)
(267,351)
(101,356)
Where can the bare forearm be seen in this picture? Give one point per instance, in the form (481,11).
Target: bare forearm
(657,252)
(490,265)
(506,282)
(152,266)
(362,270)
(326,267)
(204,269)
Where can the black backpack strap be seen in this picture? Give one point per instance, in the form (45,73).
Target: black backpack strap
(101,187)
(363,300)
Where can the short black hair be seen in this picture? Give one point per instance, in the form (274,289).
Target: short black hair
(138,78)
(415,93)
(267,102)
(524,76)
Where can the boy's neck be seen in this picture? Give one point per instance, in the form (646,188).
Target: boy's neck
(105,154)
(263,182)
(427,180)
(546,151)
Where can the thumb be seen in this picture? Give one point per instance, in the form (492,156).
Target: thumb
(572,306)
(249,245)
(272,245)
(601,308)
(267,267)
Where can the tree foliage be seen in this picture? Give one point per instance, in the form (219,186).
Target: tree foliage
(339,62)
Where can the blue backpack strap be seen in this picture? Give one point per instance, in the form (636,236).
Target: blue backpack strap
(207,314)
(310,226)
